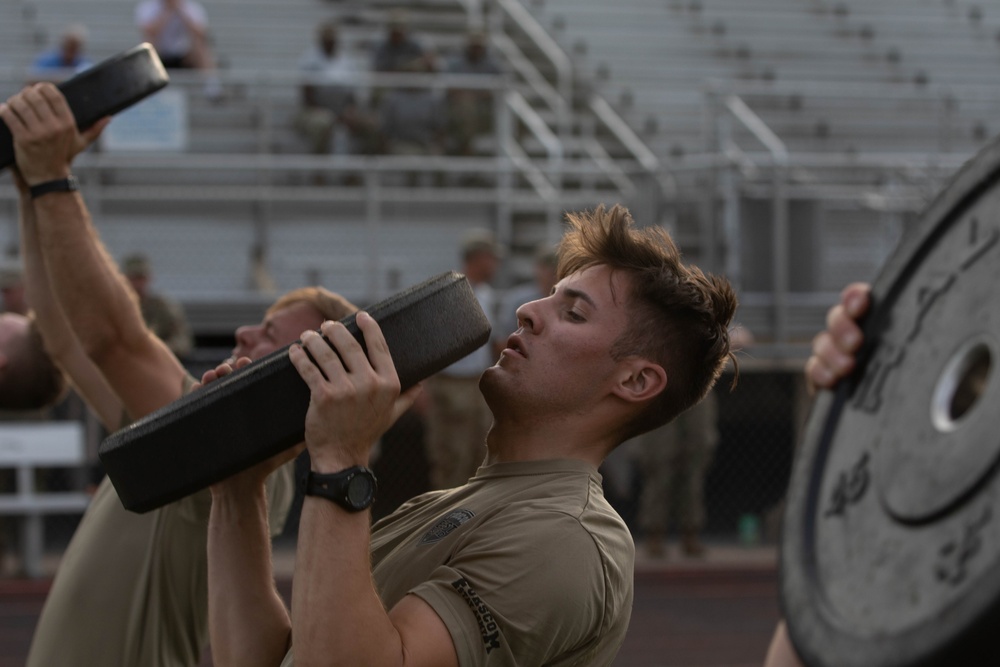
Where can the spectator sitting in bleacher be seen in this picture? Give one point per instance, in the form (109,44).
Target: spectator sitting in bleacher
(399,51)
(330,118)
(470,111)
(178,30)
(68,56)
(412,119)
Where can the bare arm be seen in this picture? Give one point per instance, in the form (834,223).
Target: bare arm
(336,611)
(99,304)
(248,623)
(832,359)
(60,341)
(781,653)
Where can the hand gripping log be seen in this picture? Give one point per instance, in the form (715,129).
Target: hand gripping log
(259,410)
(103,90)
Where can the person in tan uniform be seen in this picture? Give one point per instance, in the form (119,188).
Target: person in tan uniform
(525,564)
(457,416)
(131,589)
(675,459)
(162,314)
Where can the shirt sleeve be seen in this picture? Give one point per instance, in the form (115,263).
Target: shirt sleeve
(521,592)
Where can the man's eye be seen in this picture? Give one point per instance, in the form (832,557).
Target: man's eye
(575,316)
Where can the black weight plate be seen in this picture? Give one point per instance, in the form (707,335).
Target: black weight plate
(103,90)
(259,411)
(890,555)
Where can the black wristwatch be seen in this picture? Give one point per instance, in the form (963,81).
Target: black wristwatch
(353,489)
(68,184)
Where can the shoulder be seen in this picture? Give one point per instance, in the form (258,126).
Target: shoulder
(551,584)
(569,543)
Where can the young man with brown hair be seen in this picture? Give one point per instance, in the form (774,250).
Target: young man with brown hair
(527,563)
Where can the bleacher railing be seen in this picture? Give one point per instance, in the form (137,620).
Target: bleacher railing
(525,166)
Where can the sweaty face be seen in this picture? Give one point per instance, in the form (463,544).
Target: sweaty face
(560,357)
(278,329)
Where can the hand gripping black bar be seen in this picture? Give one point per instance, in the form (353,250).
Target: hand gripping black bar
(103,90)
(259,410)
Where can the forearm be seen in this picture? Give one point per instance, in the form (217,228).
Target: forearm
(102,309)
(336,612)
(93,294)
(781,653)
(248,622)
(100,306)
(60,340)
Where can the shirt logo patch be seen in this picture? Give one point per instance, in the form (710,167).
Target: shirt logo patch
(446,525)
(487,625)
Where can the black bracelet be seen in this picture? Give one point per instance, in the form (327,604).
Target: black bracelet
(68,184)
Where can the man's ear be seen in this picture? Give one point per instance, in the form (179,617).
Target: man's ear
(640,380)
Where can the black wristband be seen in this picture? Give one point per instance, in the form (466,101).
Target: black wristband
(68,184)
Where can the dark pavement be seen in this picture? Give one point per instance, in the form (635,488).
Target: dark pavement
(714,612)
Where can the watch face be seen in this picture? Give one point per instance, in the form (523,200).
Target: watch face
(360,490)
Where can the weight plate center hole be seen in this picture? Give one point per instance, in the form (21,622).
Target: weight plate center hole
(962,383)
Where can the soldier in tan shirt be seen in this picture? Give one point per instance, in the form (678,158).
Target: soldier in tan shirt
(131,589)
(526,564)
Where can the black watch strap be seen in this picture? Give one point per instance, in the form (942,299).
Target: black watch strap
(353,488)
(68,184)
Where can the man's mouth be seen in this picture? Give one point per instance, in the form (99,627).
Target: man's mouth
(514,344)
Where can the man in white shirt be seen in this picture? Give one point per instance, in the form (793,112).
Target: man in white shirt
(178,30)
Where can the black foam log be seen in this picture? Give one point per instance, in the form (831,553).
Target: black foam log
(259,411)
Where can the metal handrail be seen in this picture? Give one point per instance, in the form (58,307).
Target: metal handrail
(553,52)
(751,121)
(624,133)
(665,180)
(553,146)
(533,29)
(528,71)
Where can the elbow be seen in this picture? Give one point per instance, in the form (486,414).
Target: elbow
(101,345)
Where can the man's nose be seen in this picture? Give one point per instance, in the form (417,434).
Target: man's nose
(246,336)
(527,316)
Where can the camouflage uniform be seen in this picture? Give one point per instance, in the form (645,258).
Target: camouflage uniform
(675,459)
(165,317)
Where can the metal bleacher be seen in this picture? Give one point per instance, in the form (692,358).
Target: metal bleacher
(774,137)
(837,120)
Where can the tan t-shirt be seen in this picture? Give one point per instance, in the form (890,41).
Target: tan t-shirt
(131,589)
(527,564)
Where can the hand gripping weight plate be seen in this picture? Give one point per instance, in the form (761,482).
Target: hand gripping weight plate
(890,555)
(103,90)
(259,410)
